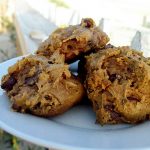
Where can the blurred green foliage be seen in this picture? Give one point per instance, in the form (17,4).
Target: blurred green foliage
(8,25)
(60,3)
(10,142)
(7,141)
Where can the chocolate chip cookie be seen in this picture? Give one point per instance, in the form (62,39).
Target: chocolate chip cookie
(75,40)
(40,87)
(118,84)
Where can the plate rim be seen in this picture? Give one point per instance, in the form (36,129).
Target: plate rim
(40,141)
(33,139)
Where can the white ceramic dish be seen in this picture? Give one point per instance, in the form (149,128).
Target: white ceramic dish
(74,130)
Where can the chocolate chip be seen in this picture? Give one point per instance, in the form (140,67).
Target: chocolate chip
(102,91)
(8,85)
(112,77)
(131,98)
(115,115)
(50,62)
(109,46)
(132,84)
(28,111)
(16,107)
(31,80)
(130,70)
(90,90)
(70,47)
(37,105)
(88,23)
(90,43)
(64,75)
(14,94)
(48,97)
(147,116)
(74,40)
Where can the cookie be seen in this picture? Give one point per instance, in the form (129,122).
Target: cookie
(40,87)
(118,84)
(74,40)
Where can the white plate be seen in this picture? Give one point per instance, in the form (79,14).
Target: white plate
(74,130)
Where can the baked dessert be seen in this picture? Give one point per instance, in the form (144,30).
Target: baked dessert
(118,84)
(82,71)
(40,87)
(75,40)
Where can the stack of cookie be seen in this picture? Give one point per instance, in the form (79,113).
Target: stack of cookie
(115,79)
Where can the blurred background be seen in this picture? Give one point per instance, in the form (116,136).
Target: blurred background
(24,24)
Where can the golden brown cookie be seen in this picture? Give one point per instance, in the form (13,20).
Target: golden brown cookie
(39,87)
(75,40)
(82,71)
(118,84)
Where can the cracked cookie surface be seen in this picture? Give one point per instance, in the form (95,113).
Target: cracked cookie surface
(118,84)
(40,87)
(75,40)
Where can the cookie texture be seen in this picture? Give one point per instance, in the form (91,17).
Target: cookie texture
(118,84)
(74,40)
(40,87)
